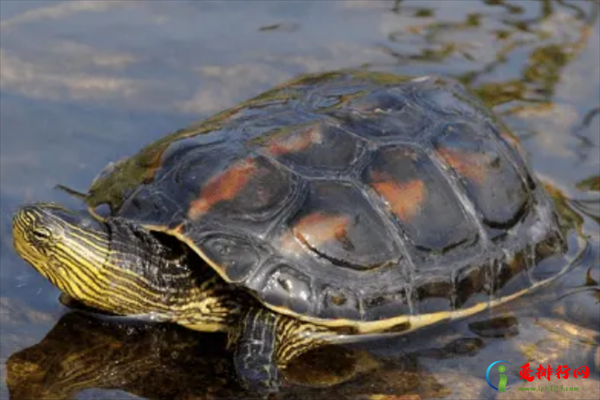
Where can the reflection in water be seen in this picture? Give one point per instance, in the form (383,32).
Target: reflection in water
(547,53)
(167,362)
(154,361)
(158,361)
(514,55)
(503,326)
(589,206)
(478,47)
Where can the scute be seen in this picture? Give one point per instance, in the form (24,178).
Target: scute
(237,256)
(383,116)
(420,198)
(338,224)
(448,98)
(488,176)
(348,198)
(397,299)
(313,149)
(339,303)
(249,189)
(288,287)
(435,293)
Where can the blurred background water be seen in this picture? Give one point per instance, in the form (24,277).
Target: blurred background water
(86,83)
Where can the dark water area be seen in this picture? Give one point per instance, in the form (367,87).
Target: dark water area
(86,83)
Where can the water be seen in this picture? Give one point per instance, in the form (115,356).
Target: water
(86,83)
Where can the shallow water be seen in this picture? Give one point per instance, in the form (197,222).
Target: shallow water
(86,83)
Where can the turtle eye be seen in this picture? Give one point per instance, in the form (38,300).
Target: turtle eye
(41,234)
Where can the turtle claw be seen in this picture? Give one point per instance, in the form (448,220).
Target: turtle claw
(260,381)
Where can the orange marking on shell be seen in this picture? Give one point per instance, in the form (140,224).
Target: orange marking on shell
(405,199)
(223,187)
(317,228)
(289,244)
(295,142)
(471,166)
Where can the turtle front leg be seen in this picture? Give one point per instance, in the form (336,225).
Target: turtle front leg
(265,342)
(255,357)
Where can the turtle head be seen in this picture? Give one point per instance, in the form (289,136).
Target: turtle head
(64,246)
(113,266)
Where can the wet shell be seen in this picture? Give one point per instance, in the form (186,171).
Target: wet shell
(349,196)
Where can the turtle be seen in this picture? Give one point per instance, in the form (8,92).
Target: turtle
(337,206)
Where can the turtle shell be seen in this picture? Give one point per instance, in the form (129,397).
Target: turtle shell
(348,198)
